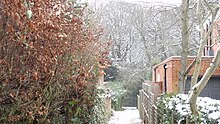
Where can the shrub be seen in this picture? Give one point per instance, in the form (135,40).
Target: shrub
(49,62)
(110,73)
(176,108)
(117,93)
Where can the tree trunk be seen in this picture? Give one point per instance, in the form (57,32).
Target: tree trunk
(204,37)
(197,88)
(202,45)
(185,41)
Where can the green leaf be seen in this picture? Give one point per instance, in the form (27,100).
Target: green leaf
(73,102)
(28,14)
(25,3)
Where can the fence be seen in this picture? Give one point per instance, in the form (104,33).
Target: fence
(148,111)
(146,107)
(107,101)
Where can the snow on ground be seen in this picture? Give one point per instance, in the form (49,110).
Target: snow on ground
(129,116)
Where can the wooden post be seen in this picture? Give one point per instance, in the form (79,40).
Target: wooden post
(155,114)
(187,119)
(140,108)
(151,107)
(138,102)
(172,119)
(141,104)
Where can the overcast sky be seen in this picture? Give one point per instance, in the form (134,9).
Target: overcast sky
(177,2)
(98,2)
(163,1)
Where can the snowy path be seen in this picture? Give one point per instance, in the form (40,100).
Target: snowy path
(129,116)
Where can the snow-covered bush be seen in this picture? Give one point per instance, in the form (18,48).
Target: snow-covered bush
(117,93)
(165,115)
(176,108)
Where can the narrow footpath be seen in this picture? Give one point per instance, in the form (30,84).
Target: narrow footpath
(129,115)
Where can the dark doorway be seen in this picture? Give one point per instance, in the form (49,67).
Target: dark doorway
(212,89)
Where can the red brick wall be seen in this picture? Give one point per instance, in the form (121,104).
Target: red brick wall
(160,74)
(215,38)
(169,77)
(173,67)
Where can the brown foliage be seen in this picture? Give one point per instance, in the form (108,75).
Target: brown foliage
(46,61)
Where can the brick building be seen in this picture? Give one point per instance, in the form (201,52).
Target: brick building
(167,71)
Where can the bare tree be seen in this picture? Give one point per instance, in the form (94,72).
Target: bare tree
(185,42)
(198,87)
(141,34)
